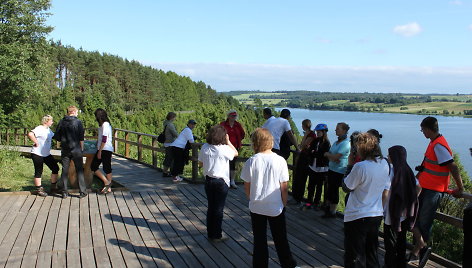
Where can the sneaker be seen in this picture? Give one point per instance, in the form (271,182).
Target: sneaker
(177,179)
(233,185)
(41,192)
(301,206)
(64,194)
(308,206)
(424,256)
(82,195)
(53,189)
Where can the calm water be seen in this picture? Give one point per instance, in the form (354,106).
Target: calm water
(397,129)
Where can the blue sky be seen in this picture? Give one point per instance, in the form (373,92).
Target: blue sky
(414,46)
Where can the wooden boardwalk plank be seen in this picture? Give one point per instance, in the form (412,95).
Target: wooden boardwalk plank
(200,245)
(154,220)
(231,225)
(98,238)
(122,238)
(135,238)
(47,243)
(85,234)
(59,257)
(18,250)
(144,230)
(179,234)
(11,215)
(5,205)
(114,251)
(228,250)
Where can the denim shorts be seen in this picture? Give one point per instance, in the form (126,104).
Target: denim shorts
(429,202)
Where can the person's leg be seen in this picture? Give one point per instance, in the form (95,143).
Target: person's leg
(428,204)
(54,167)
(232,172)
(65,159)
(354,244)
(311,187)
(400,246)
(95,168)
(210,220)
(221,191)
(77,157)
(390,241)
(178,165)
(279,234)
(106,161)
(167,163)
(260,256)
(372,241)
(338,179)
(38,172)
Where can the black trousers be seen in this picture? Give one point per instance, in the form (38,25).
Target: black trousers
(278,229)
(395,246)
(216,191)
(38,162)
(335,181)
(315,186)
(361,242)
(76,156)
(299,180)
(179,161)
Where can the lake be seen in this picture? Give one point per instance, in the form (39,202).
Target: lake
(397,129)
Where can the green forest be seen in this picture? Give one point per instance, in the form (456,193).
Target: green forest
(39,76)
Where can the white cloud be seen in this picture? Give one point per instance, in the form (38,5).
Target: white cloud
(456,3)
(408,30)
(232,76)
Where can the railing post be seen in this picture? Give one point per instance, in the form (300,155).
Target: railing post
(154,153)
(25,140)
(194,163)
(115,141)
(127,144)
(467,229)
(140,148)
(15,136)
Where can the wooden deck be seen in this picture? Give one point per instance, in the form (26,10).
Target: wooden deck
(156,224)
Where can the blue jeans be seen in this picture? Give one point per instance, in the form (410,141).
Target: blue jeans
(216,191)
(429,202)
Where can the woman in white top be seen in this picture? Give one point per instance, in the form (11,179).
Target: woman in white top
(105,150)
(41,154)
(266,177)
(368,184)
(178,148)
(214,156)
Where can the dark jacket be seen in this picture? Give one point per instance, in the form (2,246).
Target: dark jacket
(70,132)
(317,150)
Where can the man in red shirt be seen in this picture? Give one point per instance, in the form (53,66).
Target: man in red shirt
(236,135)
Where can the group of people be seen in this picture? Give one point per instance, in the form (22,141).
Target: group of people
(70,134)
(379,188)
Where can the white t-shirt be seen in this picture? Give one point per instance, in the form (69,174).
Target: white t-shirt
(387,219)
(105,130)
(265,172)
(442,153)
(43,136)
(368,179)
(277,127)
(184,136)
(215,159)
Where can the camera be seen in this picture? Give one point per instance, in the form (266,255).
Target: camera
(419,168)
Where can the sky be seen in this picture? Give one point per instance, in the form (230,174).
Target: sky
(406,46)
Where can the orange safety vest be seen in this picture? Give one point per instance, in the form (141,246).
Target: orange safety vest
(434,177)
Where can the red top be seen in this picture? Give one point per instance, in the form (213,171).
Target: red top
(235,133)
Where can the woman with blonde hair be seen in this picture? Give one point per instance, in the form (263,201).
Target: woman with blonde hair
(368,184)
(265,177)
(41,136)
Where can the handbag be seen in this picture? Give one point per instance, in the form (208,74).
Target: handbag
(162,137)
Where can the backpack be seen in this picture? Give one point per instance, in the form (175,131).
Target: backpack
(162,137)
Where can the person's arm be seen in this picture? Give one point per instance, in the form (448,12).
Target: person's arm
(172,130)
(333,157)
(384,197)
(284,191)
(81,135)
(292,139)
(200,164)
(247,189)
(228,142)
(345,188)
(32,137)
(457,192)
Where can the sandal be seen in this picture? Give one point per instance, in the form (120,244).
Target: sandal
(105,189)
